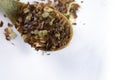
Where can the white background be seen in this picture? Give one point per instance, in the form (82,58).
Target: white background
(113,41)
(93,53)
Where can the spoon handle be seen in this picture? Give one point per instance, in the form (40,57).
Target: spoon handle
(10,7)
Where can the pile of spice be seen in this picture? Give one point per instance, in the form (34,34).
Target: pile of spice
(43,27)
(47,26)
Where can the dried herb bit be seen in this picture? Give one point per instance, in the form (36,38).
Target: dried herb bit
(9,33)
(29,17)
(26,10)
(1,23)
(45,14)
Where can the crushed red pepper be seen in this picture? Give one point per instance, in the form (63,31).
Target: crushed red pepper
(46,26)
(43,28)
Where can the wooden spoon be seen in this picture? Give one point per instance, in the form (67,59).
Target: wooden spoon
(12,8)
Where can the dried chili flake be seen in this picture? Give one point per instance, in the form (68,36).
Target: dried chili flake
(9,33)
(1,23)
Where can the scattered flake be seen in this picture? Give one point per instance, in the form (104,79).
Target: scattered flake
(74,23)
(1,23)
(9,33)
(10,25)
(82,1)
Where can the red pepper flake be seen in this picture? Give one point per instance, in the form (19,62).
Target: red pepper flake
(1,23)
(9,33)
